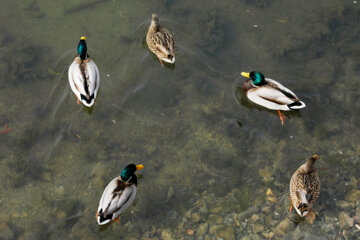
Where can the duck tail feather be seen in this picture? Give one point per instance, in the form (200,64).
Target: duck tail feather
(102,219)
(296,105)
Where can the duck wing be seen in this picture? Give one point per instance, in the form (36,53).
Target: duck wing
(274,96)
(284,90)
(92,82)
(312,187)
(116,197)
(84,78)
(164,41)
(76,78)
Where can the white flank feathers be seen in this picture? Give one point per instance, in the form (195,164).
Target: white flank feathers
(115,205)
(76,80)
(279,101)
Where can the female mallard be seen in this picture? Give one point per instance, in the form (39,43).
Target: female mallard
(270,94)
(160,41)
(118,195)
(84,76)
(305,187)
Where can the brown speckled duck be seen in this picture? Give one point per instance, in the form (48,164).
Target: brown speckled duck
(160,41)
(305,188)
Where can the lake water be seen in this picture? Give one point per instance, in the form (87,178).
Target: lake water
(210,155)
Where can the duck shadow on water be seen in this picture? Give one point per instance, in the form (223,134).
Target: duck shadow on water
(243,100)
(88,110)
(84,108)
(103,228)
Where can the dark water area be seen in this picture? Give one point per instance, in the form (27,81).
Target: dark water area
(217,166)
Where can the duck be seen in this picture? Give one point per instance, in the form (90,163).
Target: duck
(270,93)
(305,188)
(160,41)
(84,77)
(118,195)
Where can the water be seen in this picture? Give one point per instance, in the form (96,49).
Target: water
(209,153)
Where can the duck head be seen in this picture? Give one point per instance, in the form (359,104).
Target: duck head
(257,78)
(128,173)
(82,48)
(154,19)
(309,165)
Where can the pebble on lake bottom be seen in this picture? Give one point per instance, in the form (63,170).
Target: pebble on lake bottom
(5,231)
(345,220)
(167,235)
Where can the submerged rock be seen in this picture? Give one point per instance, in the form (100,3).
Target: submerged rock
(213,230)
(353,196)
(226,233)
(216,209)
(170,194)
(190,232)
(195,217)
(266,209)
(5,231)
(329,216)
(202,230)
(188,214)
(266,174)
(257,227)
(268,220)
(283,227)
(215,218)
(166,234)
(3,217)
(268,235)
(255,217)
(345,220)
(245,238)
(60,190)
(344,204)
(300,234)
(247,212)
(208,237)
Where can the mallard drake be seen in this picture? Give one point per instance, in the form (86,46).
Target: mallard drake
(160,41)
(118,195)
(305,187)
(270,94)
(84,76)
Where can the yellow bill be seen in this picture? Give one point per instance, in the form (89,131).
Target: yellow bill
(83,38)
(245,74)
(140,166)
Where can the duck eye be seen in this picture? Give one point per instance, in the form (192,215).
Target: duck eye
(169,56)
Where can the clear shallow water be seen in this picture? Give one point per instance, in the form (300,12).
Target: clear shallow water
(200,140)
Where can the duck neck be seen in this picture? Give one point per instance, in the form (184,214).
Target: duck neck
(309,165)
(258,82)
(155,25)
(82,50)
(248,85)
(132,180)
